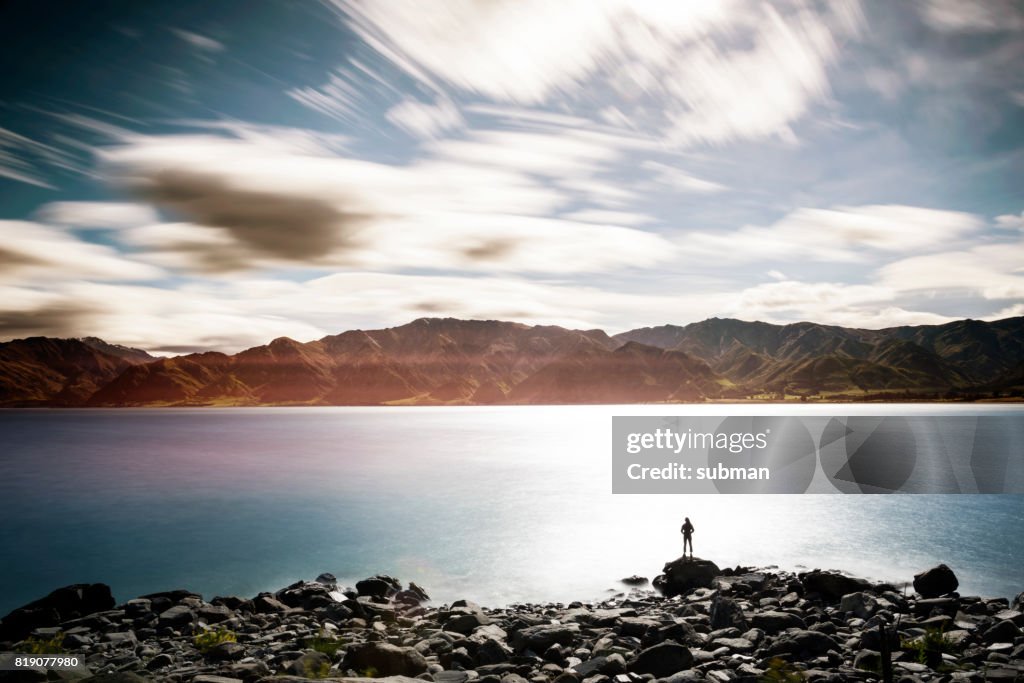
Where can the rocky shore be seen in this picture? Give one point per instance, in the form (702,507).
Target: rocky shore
(699,622)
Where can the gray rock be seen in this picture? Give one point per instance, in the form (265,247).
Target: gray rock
(466,623)
(540,638)
(224,652)
(726,613)
(772,622)
(267,604)
(379,586)
(210,678)
(802,644)
(385,659)
(684,574)
(310,665)
(862,604)
(176,617)
(451,677)
(159,662)
(936,581)
(63,604)
(868,660)
(662,660)
(832,585)
(1003,631)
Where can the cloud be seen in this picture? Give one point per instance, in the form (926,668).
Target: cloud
(22,156)
(606,217)
(30,252)
(841,234)
(993,271)
(425,121)
(96,214)
(265,205)
(1010,221)
(956,16)
(716,72)
(199,41)
(676,179)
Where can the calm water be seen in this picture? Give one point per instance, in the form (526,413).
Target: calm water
(492,504)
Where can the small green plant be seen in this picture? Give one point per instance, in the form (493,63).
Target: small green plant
(43,646)
(210,638)
(368,672)
(781,671)
(317,671)
(928,649)
(325,644)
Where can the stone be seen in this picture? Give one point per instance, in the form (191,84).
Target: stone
(634,580)
(541,637)
(327,578)
(223,652)
(802,644)
(159,662)
(1003,631)
(379,586)
(773,622)
(466,623)
(868,660)
(862,604)
(934,582)
(385,659)
(831,585)
(176,617)
(726,613)
(309,665)
(63,604)
(662,660)
(267,604)
(684,574)
(210,678)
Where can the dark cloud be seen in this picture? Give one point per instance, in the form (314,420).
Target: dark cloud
(61,320)
(9,260)
(266,224)
(491,250)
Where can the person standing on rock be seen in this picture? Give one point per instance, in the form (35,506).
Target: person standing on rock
(687,531)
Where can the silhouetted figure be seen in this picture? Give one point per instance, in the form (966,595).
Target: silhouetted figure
(687,531)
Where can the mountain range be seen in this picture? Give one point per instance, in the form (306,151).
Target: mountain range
(437,361)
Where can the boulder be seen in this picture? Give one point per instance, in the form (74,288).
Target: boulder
(1001,632)
(63,604)
(862,604)
(635,580)
(685,574)
(379,586)
(176,617)
(936,581)
(772,622)
(540,638)
(802,644)
(726,613)
(384,659)
(662,660)
(832,585)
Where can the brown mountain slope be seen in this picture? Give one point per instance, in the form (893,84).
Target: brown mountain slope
(62,372)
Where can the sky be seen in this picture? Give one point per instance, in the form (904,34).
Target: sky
(211,175)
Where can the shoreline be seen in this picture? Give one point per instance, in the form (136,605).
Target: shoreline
(701,623)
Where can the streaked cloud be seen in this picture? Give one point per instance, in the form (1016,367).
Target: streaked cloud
(840,234)
(198,40)
(423,120)
(97,214)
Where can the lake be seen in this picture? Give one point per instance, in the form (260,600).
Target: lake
(492,504)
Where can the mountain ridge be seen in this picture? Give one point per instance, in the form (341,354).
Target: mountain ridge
(439,361)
